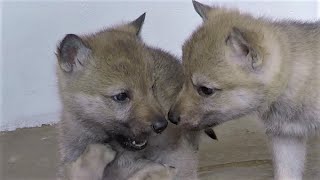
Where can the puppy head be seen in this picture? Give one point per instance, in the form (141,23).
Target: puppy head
(106,79)
(232,68)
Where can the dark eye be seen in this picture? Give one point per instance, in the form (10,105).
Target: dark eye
(121,97)
(205,91)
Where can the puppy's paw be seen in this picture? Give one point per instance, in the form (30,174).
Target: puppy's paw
(91,163)
(97,155)
(155,172)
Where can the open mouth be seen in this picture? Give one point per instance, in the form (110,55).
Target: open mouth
(139,145)
(132,144)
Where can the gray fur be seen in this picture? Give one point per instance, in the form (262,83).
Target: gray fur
(175,147)
(280,81)
(120,62)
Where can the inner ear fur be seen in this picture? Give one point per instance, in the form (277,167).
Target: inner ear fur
(245,47)
(72,53)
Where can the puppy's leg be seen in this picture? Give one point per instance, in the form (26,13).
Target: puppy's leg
(289,157)
(91,163)
(132,166)
(155,171)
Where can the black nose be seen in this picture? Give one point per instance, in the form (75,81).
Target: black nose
(159,125)
(173,117)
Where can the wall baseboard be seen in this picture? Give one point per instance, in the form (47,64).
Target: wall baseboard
(31,121)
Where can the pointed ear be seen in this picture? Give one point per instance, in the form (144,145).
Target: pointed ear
(137,24)
(72,53)
(201,9)
(133,27)
(242,49)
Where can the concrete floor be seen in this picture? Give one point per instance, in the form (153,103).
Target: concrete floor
(240,154)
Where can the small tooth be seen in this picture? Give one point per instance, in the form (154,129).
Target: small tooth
(143,143)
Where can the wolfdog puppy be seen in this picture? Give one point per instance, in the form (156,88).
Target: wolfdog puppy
(236,64)
(175,147)
(115,90)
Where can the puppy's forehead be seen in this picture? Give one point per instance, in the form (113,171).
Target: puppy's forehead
(116,45)
(119,59)
(206,79)
(200,55)
(200,78)
(126,74)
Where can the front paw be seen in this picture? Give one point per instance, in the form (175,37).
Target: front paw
(155,172)
(91,163)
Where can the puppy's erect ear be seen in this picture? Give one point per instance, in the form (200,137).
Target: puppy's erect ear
(137,24)
(133,27)
(72,53)
(201,9)
(243,48)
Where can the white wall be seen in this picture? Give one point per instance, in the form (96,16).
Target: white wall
(31,31)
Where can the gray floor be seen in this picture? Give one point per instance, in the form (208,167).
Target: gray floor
(240,154)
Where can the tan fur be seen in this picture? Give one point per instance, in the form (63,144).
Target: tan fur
(91,163)
(155,172)
(92,69)
(254,65)
(175,148)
